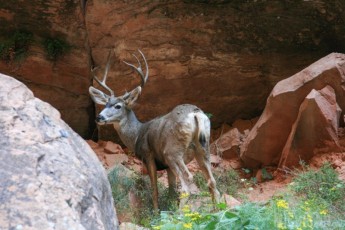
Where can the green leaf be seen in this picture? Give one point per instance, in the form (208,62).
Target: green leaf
(211,225)
(266,175)
(221,206)
(230,215)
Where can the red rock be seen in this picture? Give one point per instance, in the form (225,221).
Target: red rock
(259,176)
(316,127)
(230,201)
(114,159)
(265,142)
(217,133)
(139,169)
(92,144)
(112,148)
(215,160)
(243,125)
(235,163)
(228,145)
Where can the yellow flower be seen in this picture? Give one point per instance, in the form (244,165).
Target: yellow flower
(187,225)
(184,195)
(310,219)
(282,204)
(194,216)
(303,224)
(281,226)
(324,212)
(306,207)
(186,209)
(158,227)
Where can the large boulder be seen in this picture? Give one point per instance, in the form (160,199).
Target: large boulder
(49,176)
(315,128)
(265,142)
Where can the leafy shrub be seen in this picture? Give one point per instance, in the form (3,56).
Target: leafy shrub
(323,184)
(228,182)
(123,182)
(308,208)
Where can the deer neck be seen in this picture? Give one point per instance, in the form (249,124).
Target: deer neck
(128,129)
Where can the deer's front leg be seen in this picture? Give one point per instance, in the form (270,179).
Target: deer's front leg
(152,171)
(171,181)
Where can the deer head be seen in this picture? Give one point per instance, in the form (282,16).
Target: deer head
(116,108)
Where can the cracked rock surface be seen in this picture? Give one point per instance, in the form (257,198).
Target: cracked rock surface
(49,176)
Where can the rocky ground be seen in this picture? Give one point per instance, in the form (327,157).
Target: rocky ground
(111,154)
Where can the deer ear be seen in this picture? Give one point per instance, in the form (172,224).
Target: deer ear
(98,96)
(132,96)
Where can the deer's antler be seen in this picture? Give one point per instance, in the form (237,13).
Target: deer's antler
(103,81)
(139,70)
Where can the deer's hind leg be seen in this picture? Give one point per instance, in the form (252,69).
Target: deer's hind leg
(185,177)
(203,158)
(181,174)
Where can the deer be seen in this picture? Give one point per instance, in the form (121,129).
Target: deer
(168,142)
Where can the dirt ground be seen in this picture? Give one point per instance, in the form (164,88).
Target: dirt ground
(261,192)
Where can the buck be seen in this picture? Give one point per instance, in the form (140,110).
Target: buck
(167,142)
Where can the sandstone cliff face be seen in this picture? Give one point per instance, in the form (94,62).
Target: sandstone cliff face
(49,176)
(224,56)
(62,82)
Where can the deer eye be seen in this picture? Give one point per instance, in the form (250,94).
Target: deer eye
(117,106)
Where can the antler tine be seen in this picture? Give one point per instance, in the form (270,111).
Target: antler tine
(102,83)
(146,65)
(139,69)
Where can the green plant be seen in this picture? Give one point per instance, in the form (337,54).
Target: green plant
(228,182)
(321,184)
(221,219)
(16,46)
(125,184)
(55,47)
(306,208)
(200,181)
(121,183)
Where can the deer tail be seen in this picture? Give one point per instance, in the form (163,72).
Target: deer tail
(200,131)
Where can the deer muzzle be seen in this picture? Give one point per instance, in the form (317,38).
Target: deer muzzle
(100,119)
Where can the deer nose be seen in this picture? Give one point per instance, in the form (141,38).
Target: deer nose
(100,118)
